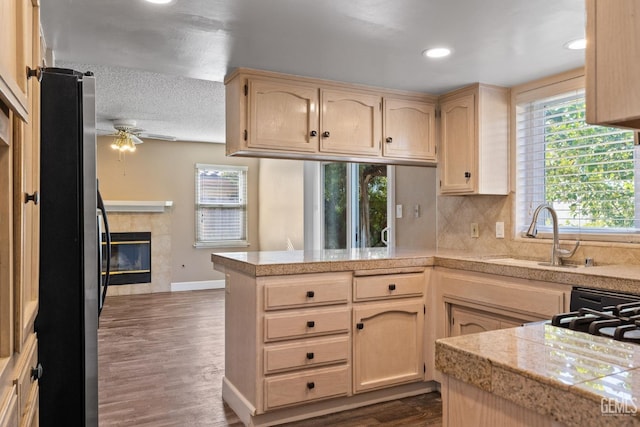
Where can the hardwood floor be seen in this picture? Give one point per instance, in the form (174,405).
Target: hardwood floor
(161,362)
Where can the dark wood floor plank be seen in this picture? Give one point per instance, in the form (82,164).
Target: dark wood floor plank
(161,362)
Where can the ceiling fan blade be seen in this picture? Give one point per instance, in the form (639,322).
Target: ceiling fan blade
(157,136)
(135,139)
(102,132)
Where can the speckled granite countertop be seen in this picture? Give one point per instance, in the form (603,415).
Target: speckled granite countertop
(557,372)
(299,262)
(621,278)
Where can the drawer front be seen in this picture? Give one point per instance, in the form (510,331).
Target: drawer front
(388,286)
(28,360)
(319,384)
(306,290)
(305,323)
(9,408)
(310,353)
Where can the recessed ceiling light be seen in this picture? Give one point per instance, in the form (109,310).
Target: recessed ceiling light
(159,1)
(437,52)
(577,44)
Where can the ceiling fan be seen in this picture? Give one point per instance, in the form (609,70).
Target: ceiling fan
(128,135)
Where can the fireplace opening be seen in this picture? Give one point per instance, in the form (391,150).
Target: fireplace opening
(130,258)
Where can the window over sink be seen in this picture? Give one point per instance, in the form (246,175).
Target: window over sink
(589,174)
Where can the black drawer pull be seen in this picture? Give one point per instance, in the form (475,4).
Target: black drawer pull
(392,286)
(310,356)
(313,133)
(311,385)
(310,294)
(360,325)
(36,373)
(311,324)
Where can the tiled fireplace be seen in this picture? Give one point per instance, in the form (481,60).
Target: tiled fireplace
(131,221)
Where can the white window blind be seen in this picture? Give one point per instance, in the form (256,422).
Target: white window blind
(221,205)
(587,173)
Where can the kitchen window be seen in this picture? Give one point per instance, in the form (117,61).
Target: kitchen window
(589,174)
(221,205)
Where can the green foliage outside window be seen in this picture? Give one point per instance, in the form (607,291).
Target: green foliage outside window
(589,169)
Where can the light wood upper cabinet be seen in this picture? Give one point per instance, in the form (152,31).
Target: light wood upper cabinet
(474,145)
(387,344)
(282,116)
(409,129)
(612,61)
(351,123)
(19,215)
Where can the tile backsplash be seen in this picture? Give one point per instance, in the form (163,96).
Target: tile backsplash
(456,213)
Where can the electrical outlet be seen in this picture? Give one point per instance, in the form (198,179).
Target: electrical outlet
(500,230)
(398,211)
(475,231)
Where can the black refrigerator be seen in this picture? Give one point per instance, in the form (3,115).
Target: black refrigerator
(71,285)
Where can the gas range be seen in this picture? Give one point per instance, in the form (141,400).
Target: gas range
(597,312)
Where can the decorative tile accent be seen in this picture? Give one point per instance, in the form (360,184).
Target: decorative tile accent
(160,226)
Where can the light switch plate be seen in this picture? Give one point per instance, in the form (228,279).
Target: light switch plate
(500,230)
(398,211)
(475,231)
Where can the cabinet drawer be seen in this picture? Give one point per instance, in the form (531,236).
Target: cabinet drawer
(299,388)
(388,286)
(306,290)
(28,360)
(9,409)
(305,323)
(287,357)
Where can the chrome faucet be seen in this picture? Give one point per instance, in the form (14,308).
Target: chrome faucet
(557,253)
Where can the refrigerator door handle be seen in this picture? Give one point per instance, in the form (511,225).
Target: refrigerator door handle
(107,233)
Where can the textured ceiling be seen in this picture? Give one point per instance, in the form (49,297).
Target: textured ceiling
(184,108)
(177,50)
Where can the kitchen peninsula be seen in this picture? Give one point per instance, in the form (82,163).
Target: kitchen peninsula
(308,333)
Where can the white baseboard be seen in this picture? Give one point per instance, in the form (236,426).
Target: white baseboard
(196,286)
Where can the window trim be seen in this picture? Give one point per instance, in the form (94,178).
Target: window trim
(220,243)
(545,88)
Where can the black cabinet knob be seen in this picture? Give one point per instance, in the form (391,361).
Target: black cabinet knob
(36,373)
(35,197)
(326,134)
(310,294)
(310,356)
(360,325)
(311,324)
(392,286)
(314,133)
(311,385)
(389,140)
(467,174)
(34,72)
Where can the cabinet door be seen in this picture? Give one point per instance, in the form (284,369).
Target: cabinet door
(26,181)
(388,343)
(282,116)
(409,130)
(468,321)
(612,58)
(457,161)
(351,123)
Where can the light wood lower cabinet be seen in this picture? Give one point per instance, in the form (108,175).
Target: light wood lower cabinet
(387,344)
(464,320)
(304,341)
